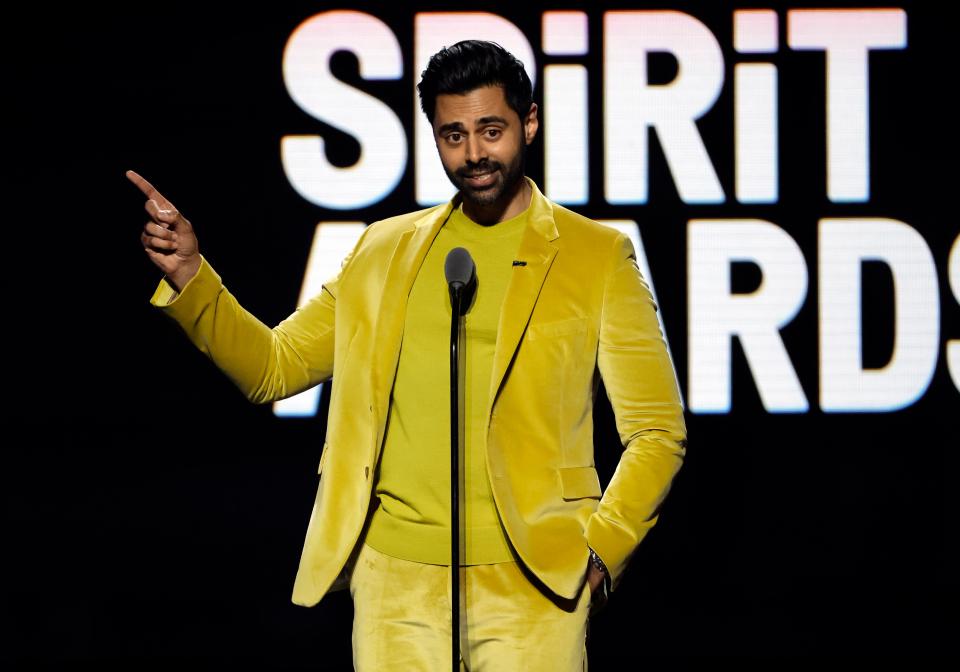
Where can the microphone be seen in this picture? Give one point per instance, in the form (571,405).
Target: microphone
(461,275)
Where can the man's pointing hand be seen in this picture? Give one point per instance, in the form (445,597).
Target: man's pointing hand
(168,237)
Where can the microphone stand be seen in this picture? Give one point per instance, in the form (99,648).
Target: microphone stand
(461,273)
(456,320)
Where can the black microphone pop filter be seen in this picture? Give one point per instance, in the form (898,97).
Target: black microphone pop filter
(461,274)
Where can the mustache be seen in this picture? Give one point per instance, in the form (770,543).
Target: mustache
(479,169)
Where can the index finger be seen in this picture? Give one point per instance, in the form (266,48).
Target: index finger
(149,190)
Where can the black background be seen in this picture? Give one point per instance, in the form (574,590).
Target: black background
(153,516)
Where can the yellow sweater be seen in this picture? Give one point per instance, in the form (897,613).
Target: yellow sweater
(412,484)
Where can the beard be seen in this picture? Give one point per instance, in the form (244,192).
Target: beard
(506,179)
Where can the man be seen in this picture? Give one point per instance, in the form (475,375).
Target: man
(559,299)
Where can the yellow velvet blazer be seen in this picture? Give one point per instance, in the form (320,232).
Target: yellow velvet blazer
(576,309)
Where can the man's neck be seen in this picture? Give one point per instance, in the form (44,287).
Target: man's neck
(508,207)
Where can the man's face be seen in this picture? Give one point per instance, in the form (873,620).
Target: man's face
(482,143)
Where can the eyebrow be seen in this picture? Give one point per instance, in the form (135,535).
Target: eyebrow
(454,126)
(482,121)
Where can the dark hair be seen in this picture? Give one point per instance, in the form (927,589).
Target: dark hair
(470,64)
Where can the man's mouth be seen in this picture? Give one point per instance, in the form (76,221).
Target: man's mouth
(479,180)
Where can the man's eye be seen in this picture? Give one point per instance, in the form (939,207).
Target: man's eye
(493,132)
(454,137)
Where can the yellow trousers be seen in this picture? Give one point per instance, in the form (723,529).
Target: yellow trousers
(402,618)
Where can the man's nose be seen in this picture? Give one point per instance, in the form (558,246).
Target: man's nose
(475,150)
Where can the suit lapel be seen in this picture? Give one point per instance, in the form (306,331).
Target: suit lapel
(402,269)
(537,249)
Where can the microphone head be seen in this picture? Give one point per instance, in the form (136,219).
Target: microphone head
(461,278)
(459,268)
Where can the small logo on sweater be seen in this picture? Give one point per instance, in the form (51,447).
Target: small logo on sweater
(517,262)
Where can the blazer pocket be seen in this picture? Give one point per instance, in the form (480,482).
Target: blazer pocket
(579,482)
(557,328)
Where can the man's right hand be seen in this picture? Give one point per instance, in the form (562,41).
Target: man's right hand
(168,237)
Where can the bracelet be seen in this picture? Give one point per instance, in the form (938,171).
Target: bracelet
(598,601)
(598,563)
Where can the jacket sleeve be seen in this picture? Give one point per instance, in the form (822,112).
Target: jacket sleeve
(642,387)
(266,364)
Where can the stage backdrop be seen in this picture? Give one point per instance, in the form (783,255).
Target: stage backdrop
(784,172)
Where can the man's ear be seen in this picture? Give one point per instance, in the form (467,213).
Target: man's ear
(531,124)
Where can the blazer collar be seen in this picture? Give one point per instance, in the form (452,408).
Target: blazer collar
(537,249)
(403,266)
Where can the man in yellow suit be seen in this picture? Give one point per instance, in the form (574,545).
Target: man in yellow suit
(559,301)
